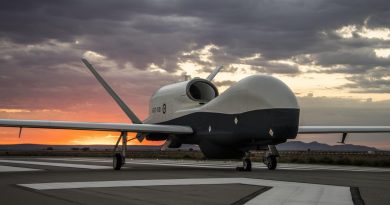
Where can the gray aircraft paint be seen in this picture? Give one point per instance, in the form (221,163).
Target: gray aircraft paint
(257,92)
(230,124)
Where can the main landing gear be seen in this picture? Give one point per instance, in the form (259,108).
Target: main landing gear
(269,160)
(270,157)
(119,157)
(246,164)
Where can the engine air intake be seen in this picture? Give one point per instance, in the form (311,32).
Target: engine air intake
(201,90)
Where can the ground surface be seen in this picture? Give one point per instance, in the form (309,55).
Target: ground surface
(144,181)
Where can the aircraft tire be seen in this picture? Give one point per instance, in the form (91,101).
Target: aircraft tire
(117,161)
(247,165)
(271,162)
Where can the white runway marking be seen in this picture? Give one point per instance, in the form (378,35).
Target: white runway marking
(285,193)
(228,164)
(81,166)
(16,169)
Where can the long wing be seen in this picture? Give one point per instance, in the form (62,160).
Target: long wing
(342,129)
(97,126)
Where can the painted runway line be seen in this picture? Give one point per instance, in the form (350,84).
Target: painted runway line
(16,169)
(281,192)
(68,165)
(227,164)
(174,163)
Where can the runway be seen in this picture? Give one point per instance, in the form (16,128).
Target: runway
(150,181)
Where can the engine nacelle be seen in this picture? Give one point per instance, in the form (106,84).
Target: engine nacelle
(180,96)
(201,90)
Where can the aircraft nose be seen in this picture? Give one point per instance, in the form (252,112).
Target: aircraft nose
(256,92)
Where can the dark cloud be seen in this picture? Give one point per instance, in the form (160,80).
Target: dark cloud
(377,81)
(357,58)
(51,76)
(273,67)
(42,41)
(144,32)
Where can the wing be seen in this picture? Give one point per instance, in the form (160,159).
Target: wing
(342,129)
(97,126)
(114,96)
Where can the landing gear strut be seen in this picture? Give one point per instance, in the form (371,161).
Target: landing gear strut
(246,164)
(119,158)
(270,157)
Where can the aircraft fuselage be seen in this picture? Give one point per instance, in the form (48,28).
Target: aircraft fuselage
(254,112)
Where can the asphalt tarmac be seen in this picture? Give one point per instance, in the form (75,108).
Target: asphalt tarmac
(27,180)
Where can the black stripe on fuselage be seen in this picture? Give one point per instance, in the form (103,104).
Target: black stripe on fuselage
(220,135)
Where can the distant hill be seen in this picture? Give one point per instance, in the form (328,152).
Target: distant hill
(288,146)
(316,146)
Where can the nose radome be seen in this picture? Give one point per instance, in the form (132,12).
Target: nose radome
(254,93)
(268,92)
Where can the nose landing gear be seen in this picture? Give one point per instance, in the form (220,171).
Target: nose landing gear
(270,157)
(271,162)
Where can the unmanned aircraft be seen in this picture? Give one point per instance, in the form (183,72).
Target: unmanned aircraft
(257,112)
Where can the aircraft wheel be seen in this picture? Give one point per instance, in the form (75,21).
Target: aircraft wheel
(271,162)
(117,161)
(247,165)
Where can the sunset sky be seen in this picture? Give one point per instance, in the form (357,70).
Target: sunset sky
(334,54)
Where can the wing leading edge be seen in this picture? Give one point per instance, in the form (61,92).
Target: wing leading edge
(342,129)
(97,126)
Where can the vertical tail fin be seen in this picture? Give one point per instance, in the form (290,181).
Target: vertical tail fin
(214,73)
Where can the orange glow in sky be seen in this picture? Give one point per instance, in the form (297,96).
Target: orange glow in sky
(62,137)
(9,135)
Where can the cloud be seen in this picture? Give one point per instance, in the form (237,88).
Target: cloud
(224,83)
(151,32)
(377,81)
(50,75)
(49,38)
(41,42)
(139,46)
(364,57)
